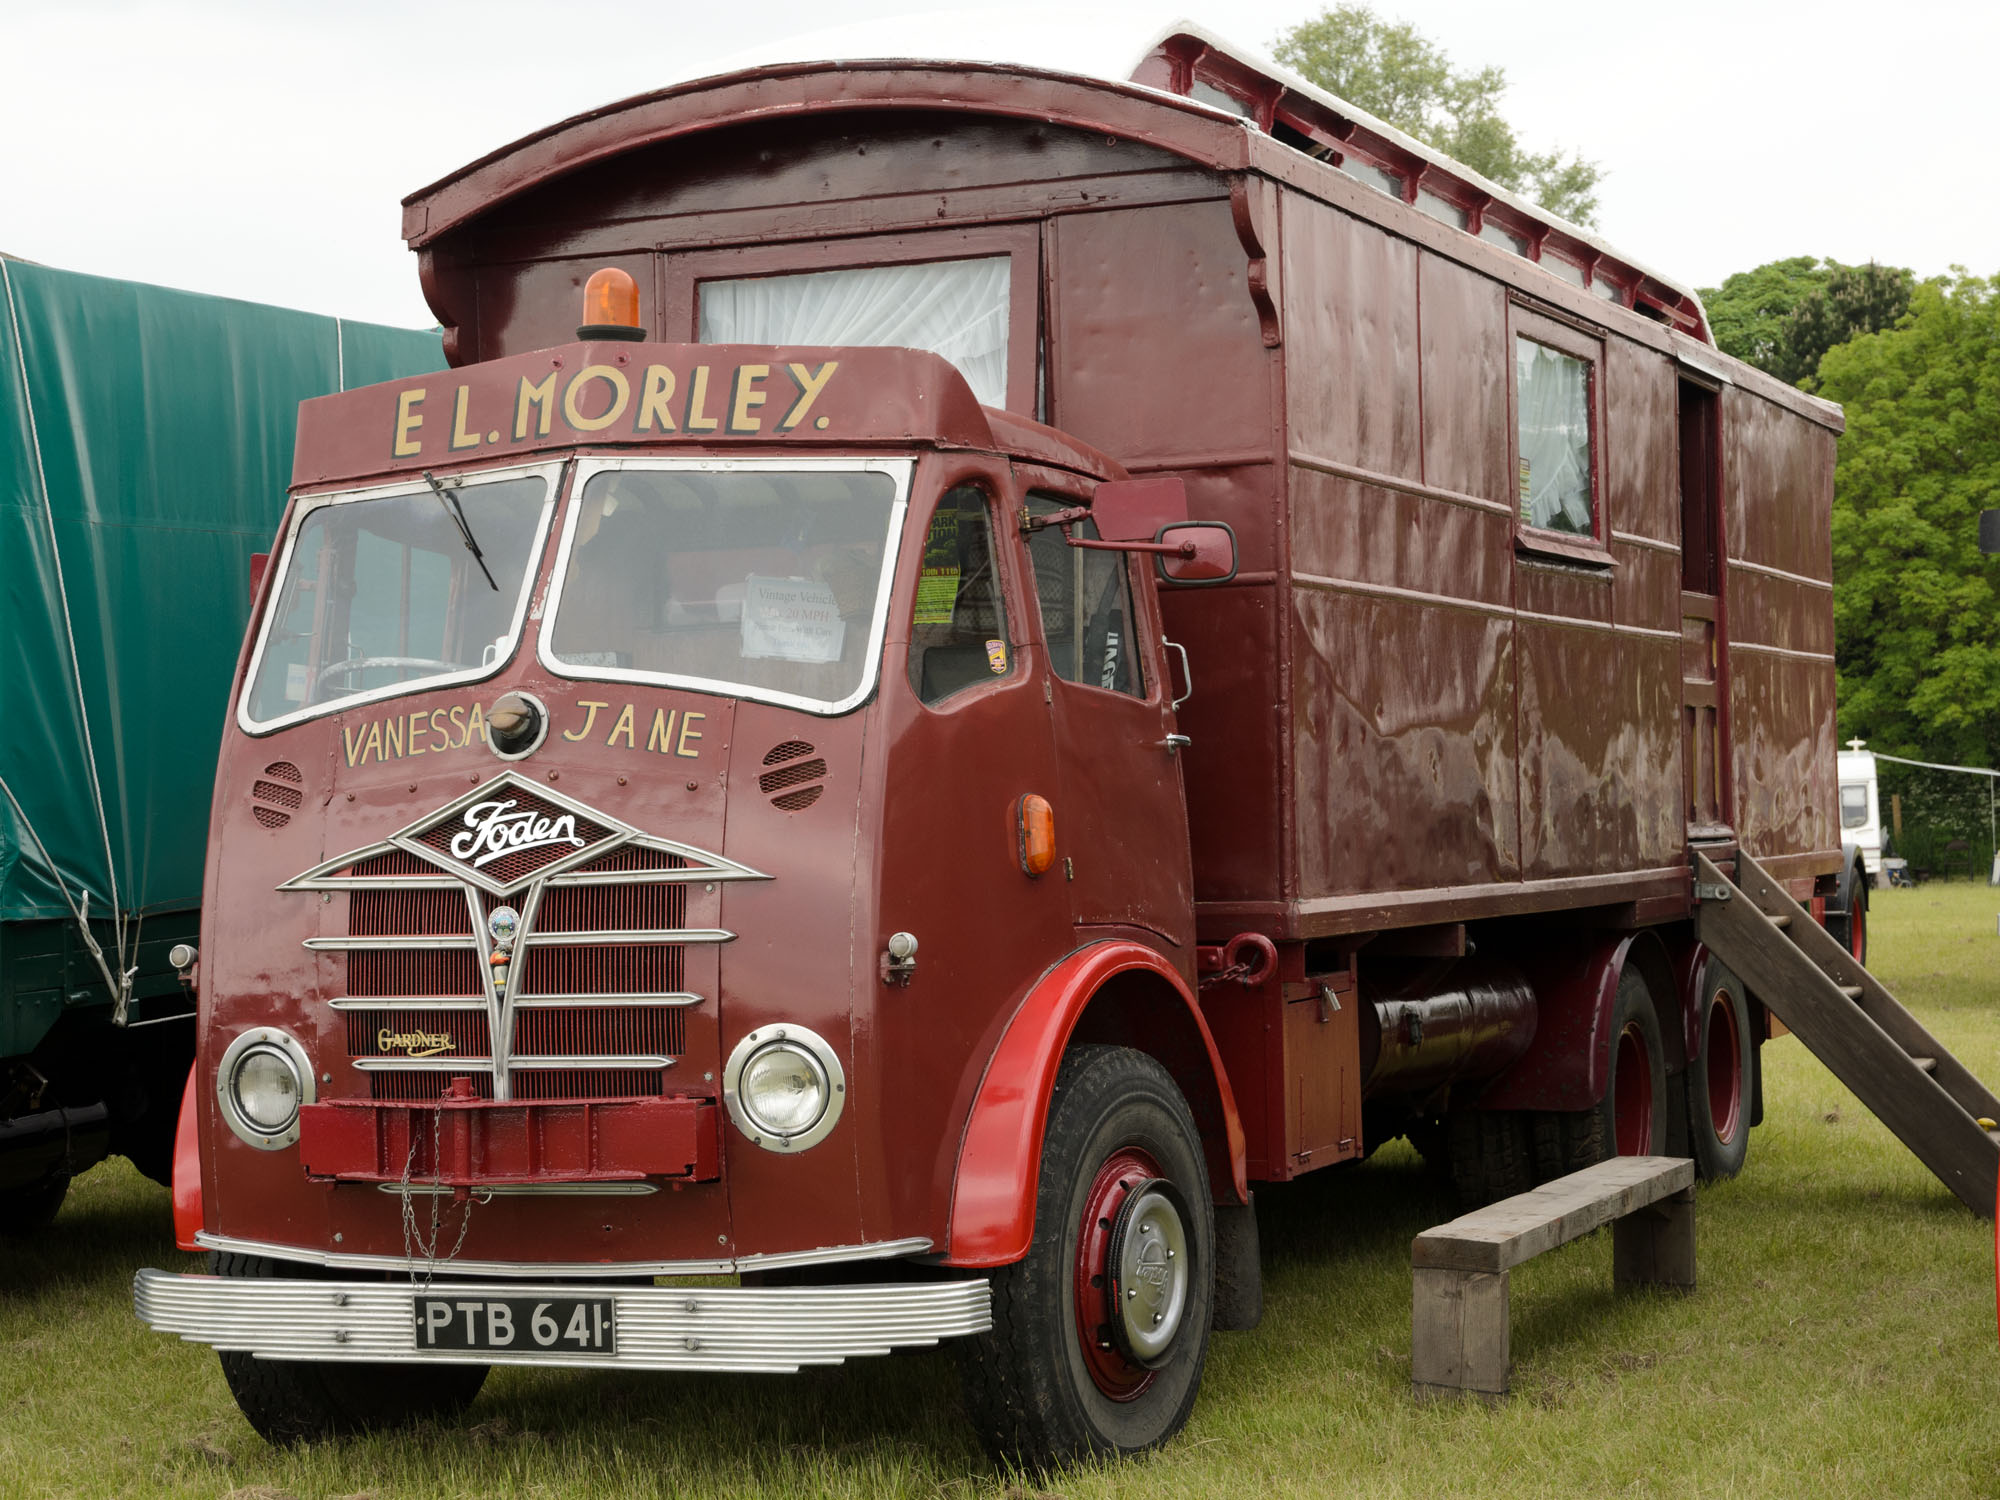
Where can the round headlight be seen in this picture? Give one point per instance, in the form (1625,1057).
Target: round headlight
(267,1089)
(262,1079)
(784,1087)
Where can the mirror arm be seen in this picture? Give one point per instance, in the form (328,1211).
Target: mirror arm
(1167,549)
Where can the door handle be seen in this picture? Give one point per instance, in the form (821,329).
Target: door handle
(1173,742)
(1187,673)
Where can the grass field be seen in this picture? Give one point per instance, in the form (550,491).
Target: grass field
(1842,1343)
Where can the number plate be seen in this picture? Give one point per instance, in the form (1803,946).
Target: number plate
(528,1325)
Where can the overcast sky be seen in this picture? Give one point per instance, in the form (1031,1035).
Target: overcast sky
(261,150)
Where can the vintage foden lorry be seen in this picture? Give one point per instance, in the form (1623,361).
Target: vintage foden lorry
(784,792)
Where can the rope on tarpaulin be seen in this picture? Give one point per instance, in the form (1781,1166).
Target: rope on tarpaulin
(121,988)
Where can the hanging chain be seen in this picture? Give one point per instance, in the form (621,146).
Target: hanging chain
(413,1239)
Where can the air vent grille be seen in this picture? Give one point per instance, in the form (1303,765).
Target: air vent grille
(277,794)
(794,782)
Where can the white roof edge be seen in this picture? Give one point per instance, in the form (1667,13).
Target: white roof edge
(1259,62)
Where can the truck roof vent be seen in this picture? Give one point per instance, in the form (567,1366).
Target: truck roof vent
(276,795)
(795,766)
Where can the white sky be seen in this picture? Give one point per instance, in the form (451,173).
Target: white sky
(261,148)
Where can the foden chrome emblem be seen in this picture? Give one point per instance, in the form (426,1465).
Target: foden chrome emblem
(505,837)
(414,1043)
(493,829)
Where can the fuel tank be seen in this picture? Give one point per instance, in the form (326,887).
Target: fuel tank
(1426,1024)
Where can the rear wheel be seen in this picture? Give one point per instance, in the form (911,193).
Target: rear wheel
(1719,1099)
(26,1210)
(1491,1155)
(1632,1119)
(289,1401)
(1100,1332)
(1634,1110)
(1849,925)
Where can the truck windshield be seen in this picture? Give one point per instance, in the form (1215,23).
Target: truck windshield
(765,579)
(381,593)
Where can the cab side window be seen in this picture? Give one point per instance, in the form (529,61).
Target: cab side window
(1086,603)
(958,633)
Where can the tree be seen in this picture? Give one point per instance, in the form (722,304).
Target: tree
(1916,606)
(1783,316)
(1399,75)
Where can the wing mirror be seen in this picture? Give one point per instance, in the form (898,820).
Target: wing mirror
(1196,552)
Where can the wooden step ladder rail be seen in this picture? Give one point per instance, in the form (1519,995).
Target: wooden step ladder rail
(1866,1039)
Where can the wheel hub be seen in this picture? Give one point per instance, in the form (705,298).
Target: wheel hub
(1725,1068)
(1133,1273)
(1633,1121)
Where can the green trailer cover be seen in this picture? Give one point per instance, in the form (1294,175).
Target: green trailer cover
(145,445)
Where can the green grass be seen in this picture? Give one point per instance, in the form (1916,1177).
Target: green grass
(1842,1343)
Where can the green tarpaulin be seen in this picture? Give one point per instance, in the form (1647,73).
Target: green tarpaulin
(145,446)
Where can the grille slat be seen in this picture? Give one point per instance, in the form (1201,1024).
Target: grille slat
(625,973)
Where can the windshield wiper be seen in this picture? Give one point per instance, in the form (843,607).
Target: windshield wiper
(451,508)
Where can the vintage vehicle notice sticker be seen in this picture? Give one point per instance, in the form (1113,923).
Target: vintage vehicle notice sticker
(791,619)
(546,1325)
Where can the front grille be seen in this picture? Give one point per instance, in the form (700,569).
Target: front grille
(562,1046)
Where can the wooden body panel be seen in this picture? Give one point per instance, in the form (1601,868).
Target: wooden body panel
(1400,713)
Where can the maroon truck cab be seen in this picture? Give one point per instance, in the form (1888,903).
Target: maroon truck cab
(723,791)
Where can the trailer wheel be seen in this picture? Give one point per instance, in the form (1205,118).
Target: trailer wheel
(1719,1094)
(1100,1332)
(27,1210)
(290,1401)
(1491,1157)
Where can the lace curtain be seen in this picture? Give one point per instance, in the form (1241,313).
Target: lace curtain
(955,308)
(1554,393)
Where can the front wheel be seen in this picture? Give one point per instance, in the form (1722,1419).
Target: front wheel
(1100,1332)
(294,1401)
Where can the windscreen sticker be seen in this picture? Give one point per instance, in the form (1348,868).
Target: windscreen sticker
(937,587)
(791,619)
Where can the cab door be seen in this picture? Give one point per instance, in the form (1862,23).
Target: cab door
(1121,821)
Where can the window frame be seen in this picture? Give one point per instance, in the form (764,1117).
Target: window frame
(998,515)
(304,505)
(682,273)
(1032,482)
(901,469)
(1588,347)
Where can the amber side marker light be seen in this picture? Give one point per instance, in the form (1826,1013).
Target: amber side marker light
(611,306)
(1035,833)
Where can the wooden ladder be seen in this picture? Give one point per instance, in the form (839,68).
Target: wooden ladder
(1845,1018)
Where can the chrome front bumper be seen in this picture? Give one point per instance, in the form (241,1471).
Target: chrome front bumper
(773,1329)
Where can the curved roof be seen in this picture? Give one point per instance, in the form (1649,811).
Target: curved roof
(1197,131)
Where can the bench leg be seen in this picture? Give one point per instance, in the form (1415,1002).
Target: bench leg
(1458,1333)
(1654,1246)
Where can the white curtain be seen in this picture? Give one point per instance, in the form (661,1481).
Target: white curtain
(955,308)
(1554,395)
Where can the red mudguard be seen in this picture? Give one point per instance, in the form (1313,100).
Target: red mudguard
(187,1171)
(993,1199)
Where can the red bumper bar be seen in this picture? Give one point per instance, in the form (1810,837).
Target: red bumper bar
(478,1143)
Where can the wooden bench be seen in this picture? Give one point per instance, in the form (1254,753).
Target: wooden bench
(1458,1315)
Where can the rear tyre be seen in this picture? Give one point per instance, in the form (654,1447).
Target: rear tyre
(1100,1332)
(1720,1098)
(1491,1156)
(1634,1109)
(1849,925)
(27,1210)
(1633,1117)
(290,1402)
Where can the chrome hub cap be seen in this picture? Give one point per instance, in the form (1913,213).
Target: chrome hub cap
(1150,1272)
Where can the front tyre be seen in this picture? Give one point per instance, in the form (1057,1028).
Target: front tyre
(293,1401)
(1100,1332)
(1719,1102)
